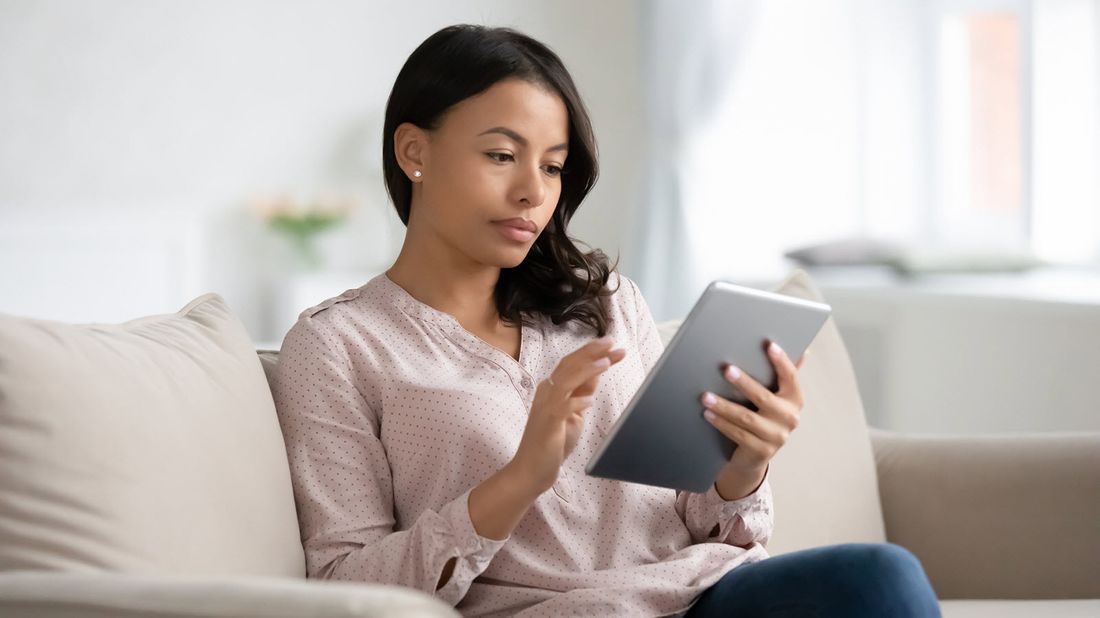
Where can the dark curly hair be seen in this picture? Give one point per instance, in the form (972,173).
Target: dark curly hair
(555,279)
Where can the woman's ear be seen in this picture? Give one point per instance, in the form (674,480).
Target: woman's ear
(410,147)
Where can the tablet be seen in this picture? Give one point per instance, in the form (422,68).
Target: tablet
(661,438)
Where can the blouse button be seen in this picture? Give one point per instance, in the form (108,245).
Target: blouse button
(525,382)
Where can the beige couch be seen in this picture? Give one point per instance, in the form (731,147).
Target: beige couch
(142,472)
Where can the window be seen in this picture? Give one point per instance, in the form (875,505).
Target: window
(982,89)
(1017,126)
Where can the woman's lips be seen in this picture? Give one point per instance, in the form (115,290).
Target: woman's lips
(514,233)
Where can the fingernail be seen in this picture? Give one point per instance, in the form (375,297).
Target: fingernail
(732,372)
(707,414)
(774,348)
(709,399)
(603,361)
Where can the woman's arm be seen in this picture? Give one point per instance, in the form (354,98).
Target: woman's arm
(343,486)
(500,502)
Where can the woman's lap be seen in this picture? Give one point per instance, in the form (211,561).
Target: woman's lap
(850,579)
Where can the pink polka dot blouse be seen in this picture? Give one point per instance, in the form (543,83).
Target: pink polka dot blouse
(392,412)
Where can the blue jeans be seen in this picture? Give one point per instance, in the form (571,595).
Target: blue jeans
(850,580)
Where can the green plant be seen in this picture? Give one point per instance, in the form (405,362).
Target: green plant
(302,224)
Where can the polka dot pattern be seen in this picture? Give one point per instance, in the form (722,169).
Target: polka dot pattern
(392,412)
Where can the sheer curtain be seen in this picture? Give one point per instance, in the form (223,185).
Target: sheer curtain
(756,137)
(691,53)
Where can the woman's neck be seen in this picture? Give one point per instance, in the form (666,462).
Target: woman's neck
(461,289)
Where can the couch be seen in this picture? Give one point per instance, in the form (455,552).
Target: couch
(143,473)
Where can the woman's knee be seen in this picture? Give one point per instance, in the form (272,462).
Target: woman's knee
(891,554)
(888,576)
(879,559)
(891,558)
(849,579)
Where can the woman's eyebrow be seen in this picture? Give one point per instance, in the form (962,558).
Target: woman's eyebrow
(519,138)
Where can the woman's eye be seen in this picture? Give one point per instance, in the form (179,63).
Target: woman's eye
(504,157)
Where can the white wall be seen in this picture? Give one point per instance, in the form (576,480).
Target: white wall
(126,111)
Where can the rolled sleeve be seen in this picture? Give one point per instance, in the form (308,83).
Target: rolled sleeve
(742,522)
(473,551)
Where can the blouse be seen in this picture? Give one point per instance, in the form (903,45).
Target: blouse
(392,412)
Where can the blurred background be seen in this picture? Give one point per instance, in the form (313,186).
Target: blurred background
(934,164)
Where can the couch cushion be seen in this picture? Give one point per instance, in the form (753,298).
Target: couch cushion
(149,446)
(1067,608)
(39,594)
(824,483)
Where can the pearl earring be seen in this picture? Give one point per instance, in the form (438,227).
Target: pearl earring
(417,173)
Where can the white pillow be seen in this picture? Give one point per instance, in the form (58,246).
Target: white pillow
(148,446)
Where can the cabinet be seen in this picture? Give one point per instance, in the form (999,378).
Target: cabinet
(971,353)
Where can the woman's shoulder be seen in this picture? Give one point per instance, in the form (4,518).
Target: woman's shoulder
(625,294)
(352,313)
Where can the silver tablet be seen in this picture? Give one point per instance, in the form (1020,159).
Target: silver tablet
(661,438)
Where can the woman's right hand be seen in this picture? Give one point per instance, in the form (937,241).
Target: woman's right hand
(557,412)
(554,424)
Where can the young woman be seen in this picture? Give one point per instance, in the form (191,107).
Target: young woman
(439,417)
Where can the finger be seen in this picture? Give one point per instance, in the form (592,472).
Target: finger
(571,375)
(739,435)
(582,357)
(589,386)
(756,392)
(789,387)
(617,355)
(580,404)
(593,349)
(577,363)
(760,426)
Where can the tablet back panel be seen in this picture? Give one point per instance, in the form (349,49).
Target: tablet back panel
(661,438)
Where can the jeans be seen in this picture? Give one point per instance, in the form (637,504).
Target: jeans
(850,579)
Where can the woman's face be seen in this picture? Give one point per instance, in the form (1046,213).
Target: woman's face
(494,157)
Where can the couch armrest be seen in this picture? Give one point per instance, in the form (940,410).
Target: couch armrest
(46,594)
(1001,516)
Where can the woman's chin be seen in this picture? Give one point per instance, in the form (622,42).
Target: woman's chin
(512,263)
(509,259)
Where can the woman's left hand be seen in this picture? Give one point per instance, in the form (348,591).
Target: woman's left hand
(759,435)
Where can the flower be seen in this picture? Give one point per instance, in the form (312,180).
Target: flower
(302,221)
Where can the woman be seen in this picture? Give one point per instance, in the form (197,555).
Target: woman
(438,418)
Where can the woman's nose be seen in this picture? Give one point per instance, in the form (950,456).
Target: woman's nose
(531,187)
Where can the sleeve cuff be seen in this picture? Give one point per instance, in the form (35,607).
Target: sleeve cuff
(473,551)
(753,501)
(469,542)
